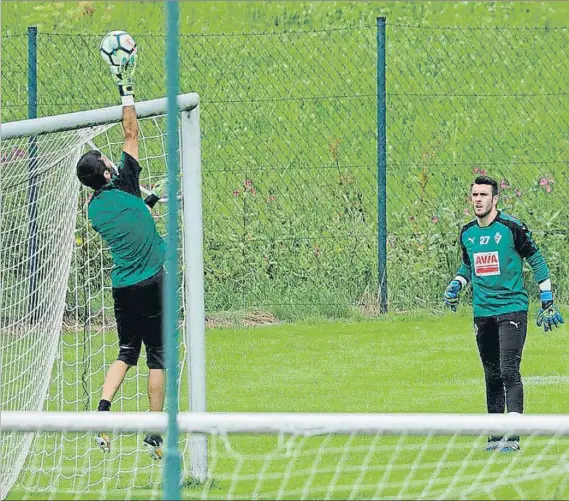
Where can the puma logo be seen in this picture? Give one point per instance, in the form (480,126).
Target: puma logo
(471,240)
(515,324)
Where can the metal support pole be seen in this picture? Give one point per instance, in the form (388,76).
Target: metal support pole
(172,467)
(32,192)
(381,169)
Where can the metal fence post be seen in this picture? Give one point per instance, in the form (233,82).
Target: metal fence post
(381,169)
(32,193)
(172,466)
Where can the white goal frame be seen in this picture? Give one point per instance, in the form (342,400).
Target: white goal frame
(190,147)
(271,423)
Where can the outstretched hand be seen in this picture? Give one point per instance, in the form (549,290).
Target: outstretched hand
(123,75)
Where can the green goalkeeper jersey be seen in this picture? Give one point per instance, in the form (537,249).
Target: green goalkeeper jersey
(492,260)
(119,214)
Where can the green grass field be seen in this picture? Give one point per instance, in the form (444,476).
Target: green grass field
(422,362)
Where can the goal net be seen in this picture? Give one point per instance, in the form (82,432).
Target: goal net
(57,326)
(317,456)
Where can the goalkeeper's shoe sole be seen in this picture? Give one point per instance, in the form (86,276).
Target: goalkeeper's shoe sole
(492,446)
(153,444)
(103,440)
(509,446)
(493,443)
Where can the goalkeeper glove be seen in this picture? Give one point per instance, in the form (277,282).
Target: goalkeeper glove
(123,75)
(160,188)
(151,200)
(159,192)
(548,315)
(451,294)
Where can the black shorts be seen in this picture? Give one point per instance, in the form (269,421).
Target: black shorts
(138,310)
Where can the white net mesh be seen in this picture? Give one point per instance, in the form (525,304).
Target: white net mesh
(315,462)
(57,326)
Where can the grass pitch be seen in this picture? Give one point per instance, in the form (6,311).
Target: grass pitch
(411,363)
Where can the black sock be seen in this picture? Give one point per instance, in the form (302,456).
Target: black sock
(104,405)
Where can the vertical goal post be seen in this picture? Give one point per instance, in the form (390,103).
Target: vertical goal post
(192,245)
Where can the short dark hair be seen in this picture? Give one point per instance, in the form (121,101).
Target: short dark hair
(91,169)
(486,180)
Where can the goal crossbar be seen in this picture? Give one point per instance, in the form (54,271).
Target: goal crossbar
(101,116)
(292,423)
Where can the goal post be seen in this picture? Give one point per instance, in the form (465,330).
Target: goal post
(57,340)
(195,287)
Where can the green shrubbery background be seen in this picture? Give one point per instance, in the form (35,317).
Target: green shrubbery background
(289,132)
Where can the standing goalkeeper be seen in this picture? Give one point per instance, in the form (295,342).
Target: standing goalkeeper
(494,246)
(118,213)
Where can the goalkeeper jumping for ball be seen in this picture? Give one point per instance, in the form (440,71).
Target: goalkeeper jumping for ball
(494,246)
(119,214)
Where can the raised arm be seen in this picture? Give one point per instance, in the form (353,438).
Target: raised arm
(123,76)
(130,126)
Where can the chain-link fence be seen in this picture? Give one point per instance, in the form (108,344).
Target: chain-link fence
(463,102)
(289,131)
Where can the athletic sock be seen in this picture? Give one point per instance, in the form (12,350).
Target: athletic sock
(104,405)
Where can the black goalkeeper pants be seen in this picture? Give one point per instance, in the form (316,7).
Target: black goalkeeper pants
(500,341)
(138,310)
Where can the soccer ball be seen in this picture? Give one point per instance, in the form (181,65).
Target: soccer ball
(116,47)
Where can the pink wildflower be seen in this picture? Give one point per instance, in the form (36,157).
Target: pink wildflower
(547,182)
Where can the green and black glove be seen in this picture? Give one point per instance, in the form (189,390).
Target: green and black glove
(123,75)
(450,296)
(548,315)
